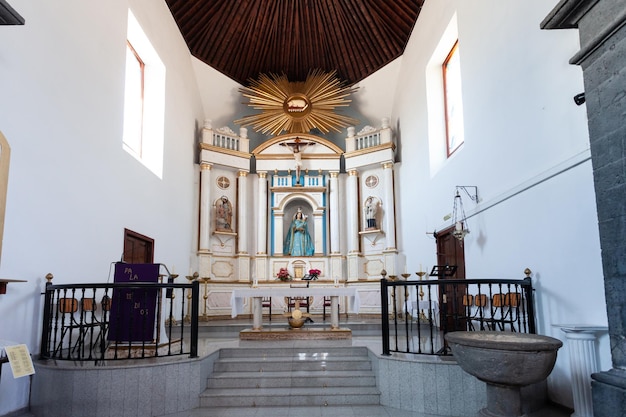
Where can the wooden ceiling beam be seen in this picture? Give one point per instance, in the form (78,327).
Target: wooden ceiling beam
(245,38)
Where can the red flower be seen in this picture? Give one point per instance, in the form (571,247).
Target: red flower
(283,275)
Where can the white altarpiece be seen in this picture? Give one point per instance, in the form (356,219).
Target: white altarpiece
(295,173)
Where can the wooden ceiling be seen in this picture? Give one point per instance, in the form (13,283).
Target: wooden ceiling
(245,38)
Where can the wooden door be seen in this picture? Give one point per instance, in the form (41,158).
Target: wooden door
(450,253)
(138,249)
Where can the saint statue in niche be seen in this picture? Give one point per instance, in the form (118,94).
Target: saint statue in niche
(298,241)
(224,214)
(370,209)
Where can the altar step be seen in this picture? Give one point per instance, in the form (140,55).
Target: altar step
(284,377)
(227,329)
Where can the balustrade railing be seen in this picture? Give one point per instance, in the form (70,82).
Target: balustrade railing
(222,140)
(368,140)
(84,322)
(417,314)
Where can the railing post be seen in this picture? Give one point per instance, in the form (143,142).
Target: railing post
(44,351)
(195,298)
(530,304)
(384,316)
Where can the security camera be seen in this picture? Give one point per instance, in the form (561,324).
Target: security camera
(579,99)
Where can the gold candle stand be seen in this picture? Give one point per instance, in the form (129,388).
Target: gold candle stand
(406,289)
(191,278)
(172,296)
(205,281)
(421,274)
(393,298)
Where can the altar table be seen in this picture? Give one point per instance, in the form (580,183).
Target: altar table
(257,294)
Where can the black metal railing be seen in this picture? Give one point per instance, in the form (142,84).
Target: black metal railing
(98,322)
(416,315)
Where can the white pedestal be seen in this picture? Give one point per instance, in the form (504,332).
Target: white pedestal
(581,343)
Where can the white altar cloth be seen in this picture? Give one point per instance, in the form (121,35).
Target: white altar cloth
(238,295)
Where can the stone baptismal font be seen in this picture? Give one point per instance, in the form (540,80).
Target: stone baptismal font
(506,362)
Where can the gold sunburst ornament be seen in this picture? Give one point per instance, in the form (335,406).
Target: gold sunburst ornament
(297,107)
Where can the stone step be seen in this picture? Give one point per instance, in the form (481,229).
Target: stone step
(335,376)
(284,377)
(267,397)
(342,364)
(327,352)
(296,379)
(219,331)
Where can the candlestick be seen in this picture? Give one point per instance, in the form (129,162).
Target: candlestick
(191,277)
(421,293)
(169,293)
(205,281)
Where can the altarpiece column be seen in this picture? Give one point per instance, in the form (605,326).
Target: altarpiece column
(261,240)
(389,220)
(243,257)
(352,216)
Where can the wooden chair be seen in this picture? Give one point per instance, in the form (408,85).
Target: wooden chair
(479,301)
(497,300)
(89,322)
(507,304)
(266,302)
(301,301)
(512,299)
(66,307)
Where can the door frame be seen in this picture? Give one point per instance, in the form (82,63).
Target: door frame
(138,254)
(450,252)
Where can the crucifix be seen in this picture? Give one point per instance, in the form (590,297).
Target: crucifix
(295,149)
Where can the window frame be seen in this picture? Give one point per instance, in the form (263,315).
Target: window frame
(153,92)
(447,110)
(137,136)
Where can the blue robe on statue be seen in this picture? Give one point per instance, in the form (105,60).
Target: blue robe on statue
(298,241)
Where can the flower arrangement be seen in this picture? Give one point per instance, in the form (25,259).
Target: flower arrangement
(283,275)
(314,273)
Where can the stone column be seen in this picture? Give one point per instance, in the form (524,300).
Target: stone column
(205,207)
(602,56)
(581,343)
(334,312)
(257,313)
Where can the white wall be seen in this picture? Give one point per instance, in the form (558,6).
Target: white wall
(72,189)
(521,129)
(223,103)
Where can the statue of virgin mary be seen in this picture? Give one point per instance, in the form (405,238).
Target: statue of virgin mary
(298,241)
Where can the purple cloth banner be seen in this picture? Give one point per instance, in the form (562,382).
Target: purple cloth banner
(132,315)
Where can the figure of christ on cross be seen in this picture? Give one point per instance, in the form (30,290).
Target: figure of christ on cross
(297,153)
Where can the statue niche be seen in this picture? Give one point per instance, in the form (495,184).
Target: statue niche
(298,241)
(223,215)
